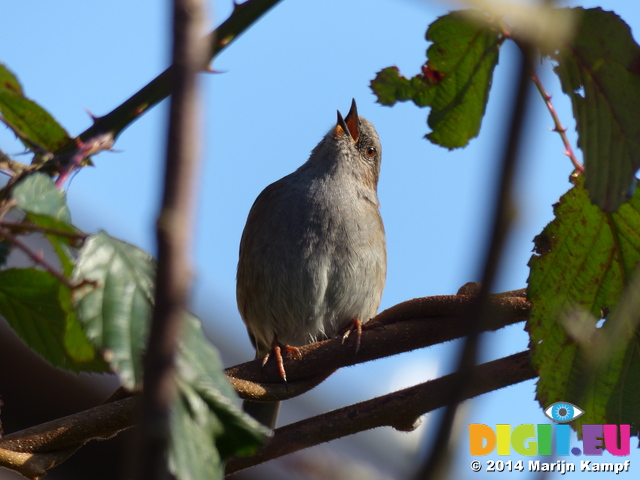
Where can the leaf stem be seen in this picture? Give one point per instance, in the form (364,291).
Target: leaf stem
(30,227)
(38,258)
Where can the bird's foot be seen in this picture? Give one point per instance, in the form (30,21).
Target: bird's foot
(355,327)
(276,352)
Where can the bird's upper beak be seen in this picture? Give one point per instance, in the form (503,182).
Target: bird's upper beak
(350,125)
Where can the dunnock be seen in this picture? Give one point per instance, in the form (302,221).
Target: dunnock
(313,258)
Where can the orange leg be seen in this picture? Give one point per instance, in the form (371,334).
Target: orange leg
(276,351)
(354,326)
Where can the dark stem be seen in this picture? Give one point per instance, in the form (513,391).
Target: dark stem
(174,230)
(438,459)
(243,16)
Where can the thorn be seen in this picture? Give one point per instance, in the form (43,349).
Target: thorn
(226,40)
(93,117)
(213,70)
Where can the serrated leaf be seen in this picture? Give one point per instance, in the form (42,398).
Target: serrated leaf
(455,80)
(116,311)
(391,87)
(32,301)
(207,425)
(28,120)
(38,194)
(599,70)
(584,260)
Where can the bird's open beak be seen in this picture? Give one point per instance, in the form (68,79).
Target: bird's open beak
(349,125)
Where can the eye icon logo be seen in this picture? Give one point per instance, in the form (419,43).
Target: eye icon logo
(563,412)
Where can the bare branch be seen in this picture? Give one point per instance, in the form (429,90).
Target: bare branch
(410,325)
(400,410)
(174,231)
(34,450)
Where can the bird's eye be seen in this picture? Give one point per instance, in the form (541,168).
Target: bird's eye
(370,151)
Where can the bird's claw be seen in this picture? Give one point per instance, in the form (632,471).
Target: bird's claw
(354,326)
(277,350)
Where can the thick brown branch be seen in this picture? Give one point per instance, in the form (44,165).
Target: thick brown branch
(400,410)
(413,324)
(34,450)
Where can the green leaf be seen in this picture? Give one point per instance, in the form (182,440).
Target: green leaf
(599,70)
(38,194)
(391,87)
(8,81)
(207,424)
(46,206)
(584,261)
(29,121)
(455,80)
(116,311)
(62,244)
(33,303)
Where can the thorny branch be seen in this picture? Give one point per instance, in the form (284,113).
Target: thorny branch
(562,131)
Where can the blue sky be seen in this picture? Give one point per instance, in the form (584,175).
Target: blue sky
(276,97)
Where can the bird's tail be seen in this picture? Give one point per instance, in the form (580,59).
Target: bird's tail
(265,412)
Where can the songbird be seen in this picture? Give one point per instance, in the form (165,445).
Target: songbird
(313,254)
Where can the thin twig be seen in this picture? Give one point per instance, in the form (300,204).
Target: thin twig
(174,231)
(438,459)
(96,144)
(568,149)
(31,227)
(10,166)
(38,258)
